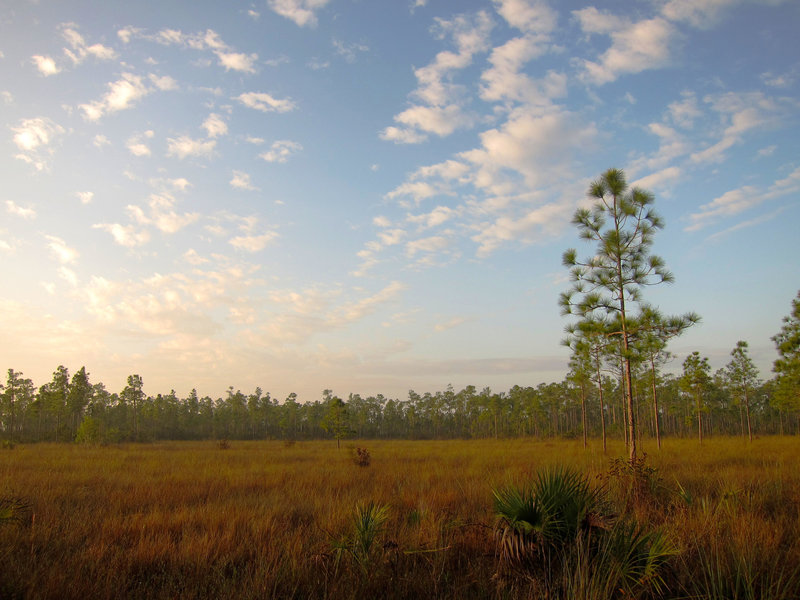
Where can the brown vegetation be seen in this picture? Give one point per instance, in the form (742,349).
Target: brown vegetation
(184,520)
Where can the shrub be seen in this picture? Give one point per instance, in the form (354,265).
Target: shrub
(560,534)
(368,522)
(88,431)
(361,457)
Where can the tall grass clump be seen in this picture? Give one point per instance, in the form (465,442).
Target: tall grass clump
(560,534)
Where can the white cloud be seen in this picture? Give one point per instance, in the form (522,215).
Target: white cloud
(441,110)
(504,80)
(594,21)
(85,197)
(730,203)
(32,137)
(20,211)
(253,243)
(658,179)
(215,126)
(635,47)
(349,51)
(454,322)
(391,237)
(402,136)
(302,12)
(122,94)
(434,243)
(699,13)
(528,16)
(127,33)
(185,146)
(537,224)
(180,183)
(767,151)
(237,61)
(241,180)
(281,151)
(68,275)
(161,214)
(441,120)
(266,103)
(64,253)
(136,145)
(740,113)
(46,65)
(537,146)
(80,50)
(193,258)
(123,235)
(438,216)
(100,140)
(742,199)
(165,83)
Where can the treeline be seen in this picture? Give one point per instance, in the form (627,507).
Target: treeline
(71,408)
(606,388)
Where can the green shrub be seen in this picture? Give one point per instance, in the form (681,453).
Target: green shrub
(88,431)
(560,534)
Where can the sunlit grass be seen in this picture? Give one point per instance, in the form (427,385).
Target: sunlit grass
(260,519)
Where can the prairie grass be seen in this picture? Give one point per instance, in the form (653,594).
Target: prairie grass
(262,519)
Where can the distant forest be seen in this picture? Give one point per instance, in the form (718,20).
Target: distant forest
(73,409)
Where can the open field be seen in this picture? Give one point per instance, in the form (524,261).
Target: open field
(264,519)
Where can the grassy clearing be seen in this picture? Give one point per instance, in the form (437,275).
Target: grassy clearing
(262,519)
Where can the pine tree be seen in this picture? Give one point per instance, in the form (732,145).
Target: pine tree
(622,224)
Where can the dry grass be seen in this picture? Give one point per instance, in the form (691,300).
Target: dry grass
(262,519)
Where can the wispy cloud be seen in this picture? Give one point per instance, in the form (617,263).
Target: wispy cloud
(302,12)
(185,146)
(440,109)
(265,102)
(79,50)
(33,138)
(59,248)
(281,151)
(85,197)
(241,181)
(253,243)
(128,236)
(122,94)
(24,212)
(635,46)
(739,200)
(136,144)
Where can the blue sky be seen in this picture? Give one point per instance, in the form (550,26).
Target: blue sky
(374,197)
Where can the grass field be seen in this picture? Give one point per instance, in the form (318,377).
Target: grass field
(264,519)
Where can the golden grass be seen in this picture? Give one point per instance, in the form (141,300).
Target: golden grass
(189,520)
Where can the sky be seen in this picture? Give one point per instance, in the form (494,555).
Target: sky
(375,196)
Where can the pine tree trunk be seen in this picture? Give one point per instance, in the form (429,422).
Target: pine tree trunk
(655,404)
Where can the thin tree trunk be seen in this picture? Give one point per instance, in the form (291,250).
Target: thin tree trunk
(747,408)
(699,421)
(583,411)
(602,404)
(655,403)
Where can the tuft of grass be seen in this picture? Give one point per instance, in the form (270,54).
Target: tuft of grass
(14,510)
